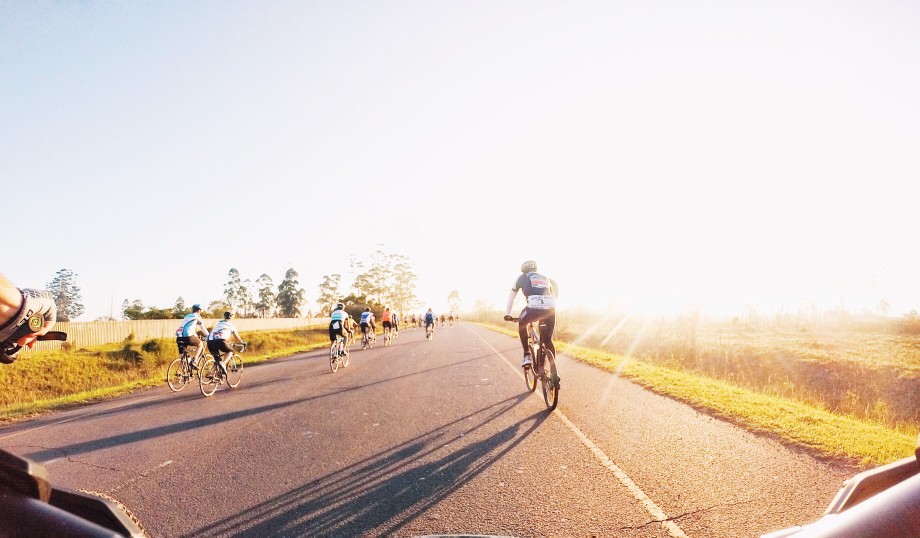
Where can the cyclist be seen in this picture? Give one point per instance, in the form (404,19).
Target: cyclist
(217,340)
(395,325)
(190,332)
(450,318)
(367,320)
(337,324)
(541,293)
(429,320)
(387,319)
(19,307)
(350,326)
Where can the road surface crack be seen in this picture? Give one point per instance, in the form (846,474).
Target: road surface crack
(70,459)
(686,514)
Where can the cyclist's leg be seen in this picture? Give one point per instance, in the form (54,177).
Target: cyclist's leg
(546,335)
(526,317)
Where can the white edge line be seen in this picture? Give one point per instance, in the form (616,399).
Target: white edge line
(649,505)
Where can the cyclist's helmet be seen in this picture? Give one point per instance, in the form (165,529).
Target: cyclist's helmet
(367,309)
(528,266)
(228,315)
(339,306)
(196,307)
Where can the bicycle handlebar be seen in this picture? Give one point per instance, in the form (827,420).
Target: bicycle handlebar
(41,509)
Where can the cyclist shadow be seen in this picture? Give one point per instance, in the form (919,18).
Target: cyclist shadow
(386,492)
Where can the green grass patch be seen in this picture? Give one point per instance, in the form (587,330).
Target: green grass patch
(41,381)
(863,442)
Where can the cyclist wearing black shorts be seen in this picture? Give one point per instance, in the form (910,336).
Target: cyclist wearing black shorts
(540,292)
(223,331)
(367,320)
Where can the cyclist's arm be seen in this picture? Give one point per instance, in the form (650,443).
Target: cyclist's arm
(511,297)
(238,337)
(11,302)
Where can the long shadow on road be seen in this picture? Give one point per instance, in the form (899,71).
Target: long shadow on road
(384,493)
(221,417)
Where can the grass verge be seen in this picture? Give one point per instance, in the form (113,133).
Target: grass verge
(47,380)
(862,442)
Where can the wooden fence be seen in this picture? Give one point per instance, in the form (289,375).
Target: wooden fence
(96,333)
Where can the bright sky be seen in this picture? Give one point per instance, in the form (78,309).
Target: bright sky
(651,155)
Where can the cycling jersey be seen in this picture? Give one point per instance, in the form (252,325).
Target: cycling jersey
(386,317)
(339,315)
(429,319)
(539,290)
(222,331)
(367,317)
(190,324)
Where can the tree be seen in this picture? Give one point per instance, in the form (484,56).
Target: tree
(266,305)
(290,295)
(246,303)
(453,299)
(232,289)
(66,295)
(124,309)
(389,280)
(179,309)
(329,293)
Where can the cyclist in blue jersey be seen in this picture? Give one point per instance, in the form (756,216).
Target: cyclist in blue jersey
(367,320)
(429,319)
(190,333)
(338,324)
(540,292)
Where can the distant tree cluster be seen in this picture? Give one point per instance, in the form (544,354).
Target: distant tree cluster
(386,280)
(244,298)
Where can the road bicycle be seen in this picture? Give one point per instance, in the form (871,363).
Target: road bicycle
(338,354)
(211,374)
(541,357)
(429,331)
(368,338)
(181,370)
(387,336)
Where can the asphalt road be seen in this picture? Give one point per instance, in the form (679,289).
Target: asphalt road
(422,438)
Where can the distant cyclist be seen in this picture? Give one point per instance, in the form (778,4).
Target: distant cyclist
(387,318)
(395,325)
(337,326)
(540,292)
(191,333)
(350,326)
(429,320)
(223,331)
(367,320)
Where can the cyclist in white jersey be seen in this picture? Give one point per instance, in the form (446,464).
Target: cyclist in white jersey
(223,331)
(338,325)
(190,333)
(541,293)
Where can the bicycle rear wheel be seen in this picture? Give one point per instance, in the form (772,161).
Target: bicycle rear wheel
(177,375)
(209,376)
(334,357)
(234,371)
(550,380)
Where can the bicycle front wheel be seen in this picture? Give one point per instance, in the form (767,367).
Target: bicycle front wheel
(550,380)
(177,375)
(234,371)
(209,376)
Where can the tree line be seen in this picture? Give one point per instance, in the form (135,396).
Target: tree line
(386,279)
